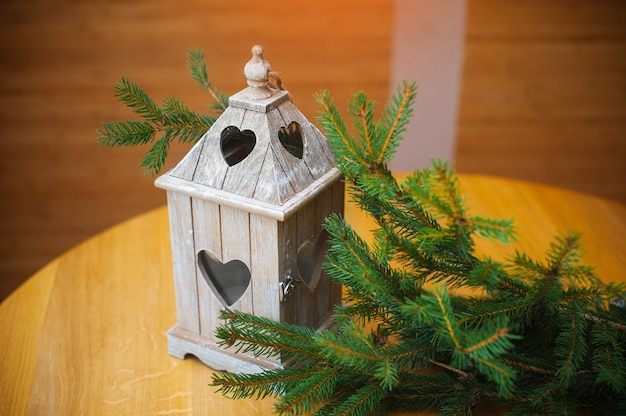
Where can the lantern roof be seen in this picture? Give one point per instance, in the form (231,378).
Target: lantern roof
(261,154)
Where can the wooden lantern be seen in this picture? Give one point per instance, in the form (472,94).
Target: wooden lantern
(246,207)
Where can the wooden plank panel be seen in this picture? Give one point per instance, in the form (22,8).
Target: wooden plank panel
(295,169)
(338,199)
(266,189)
(572,154)
(290,308)
(305,220)
(184,262)
(186,168)
(207,227)
(542,95)
(540,19)
(212,169)
(266,255)
(324,145)
(242,178)
(324,299)
(317,155)
(236,246)
(544,80)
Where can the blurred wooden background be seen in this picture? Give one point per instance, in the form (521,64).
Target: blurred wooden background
(543,95)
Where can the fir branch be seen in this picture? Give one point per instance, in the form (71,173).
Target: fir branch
(525,266)
(580,296)
(572,354)
(154,159)
(485,343)
(262,336)
(500,373)
(364,401)
(135,98)
(260,385)
(454,202)
(514,286)
(524,343)
(308,394)
(563,251)
(443,301)
(395,117)
(486,274)
(198,72)
(348,249)
(521,310)
(500,229)
(353,351)
(461,373)
(436,265)
(604,320)
(184,123)
(362,111)
(424,186)
(544,394)
(415,208)
(387,372)
(423,391)
(173,120)
(609,357)
(580,274)
(360,308)
(522,363)
(570,347)
(197,69)
(338,136)
(126,133)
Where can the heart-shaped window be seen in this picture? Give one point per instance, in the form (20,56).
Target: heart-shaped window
(291,139)
(236,144)
(310,259)
(229,281)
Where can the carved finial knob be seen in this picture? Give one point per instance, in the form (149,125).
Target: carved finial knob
(256,72)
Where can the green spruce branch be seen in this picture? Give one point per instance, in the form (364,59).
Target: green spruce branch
(544,337)
(161,124)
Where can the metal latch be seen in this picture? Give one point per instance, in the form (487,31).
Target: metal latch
(286,286)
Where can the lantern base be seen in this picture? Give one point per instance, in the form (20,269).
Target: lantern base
(182,342)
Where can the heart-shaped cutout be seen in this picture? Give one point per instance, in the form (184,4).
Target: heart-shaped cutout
(310,259)
(227,281)
(236,144)
(291,139)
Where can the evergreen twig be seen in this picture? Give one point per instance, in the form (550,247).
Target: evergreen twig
(170,121)
(541,339)
(546,337)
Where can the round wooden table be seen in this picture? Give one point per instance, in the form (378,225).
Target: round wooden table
(86,335)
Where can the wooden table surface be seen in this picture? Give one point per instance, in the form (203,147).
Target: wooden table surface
(86,335)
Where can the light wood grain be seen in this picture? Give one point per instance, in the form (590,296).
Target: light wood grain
(87,334)
(542,96)
(264,233)
(207,220)
(181,218)
(222,221)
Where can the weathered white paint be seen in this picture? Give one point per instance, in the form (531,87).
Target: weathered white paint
(257,212)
